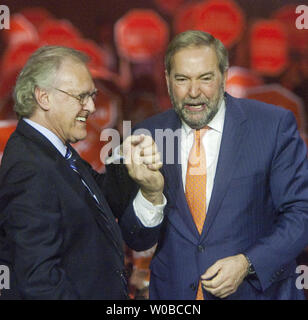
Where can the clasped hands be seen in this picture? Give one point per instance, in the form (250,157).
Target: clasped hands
(143,162)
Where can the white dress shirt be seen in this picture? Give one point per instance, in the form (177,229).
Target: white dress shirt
(55,140)
(148,214)
(211,142)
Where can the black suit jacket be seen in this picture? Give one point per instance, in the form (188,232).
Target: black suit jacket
(57,241)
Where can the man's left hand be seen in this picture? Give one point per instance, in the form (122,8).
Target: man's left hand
(225,276)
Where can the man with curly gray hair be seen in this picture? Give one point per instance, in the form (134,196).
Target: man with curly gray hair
(59,233)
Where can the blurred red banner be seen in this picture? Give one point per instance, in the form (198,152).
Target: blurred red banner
(298,39)
(15,57)
(184,18)
(240,80)
(6,129)
(268,47)
(224,19)
(36,15)
(169,6)
(140,35)
(280,96)
(21,30)
(58,32)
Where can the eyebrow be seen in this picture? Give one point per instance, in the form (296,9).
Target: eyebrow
(87,92)
(210,73)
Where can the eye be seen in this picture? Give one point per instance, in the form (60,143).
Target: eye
(180,79)
(207,79)
(82,96)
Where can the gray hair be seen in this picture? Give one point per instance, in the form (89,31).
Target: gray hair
(196,38)
(40,71)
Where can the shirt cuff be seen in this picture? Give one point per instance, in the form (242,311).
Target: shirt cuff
(149,215)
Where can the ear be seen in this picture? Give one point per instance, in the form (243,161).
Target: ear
(42,98)
(225,77)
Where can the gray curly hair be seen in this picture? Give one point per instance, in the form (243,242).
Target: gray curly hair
(40,71)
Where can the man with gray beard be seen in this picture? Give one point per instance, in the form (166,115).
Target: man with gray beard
(237,193)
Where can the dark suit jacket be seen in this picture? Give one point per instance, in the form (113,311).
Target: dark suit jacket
(56,240)
(259,206)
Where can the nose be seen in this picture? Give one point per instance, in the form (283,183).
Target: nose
(194,90)
(90,105)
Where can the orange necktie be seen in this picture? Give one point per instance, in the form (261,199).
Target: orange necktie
(196,187)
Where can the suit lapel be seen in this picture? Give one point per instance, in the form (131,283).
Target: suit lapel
(86,176)
(180,218)
(35,136)
(234,131)
(104,218)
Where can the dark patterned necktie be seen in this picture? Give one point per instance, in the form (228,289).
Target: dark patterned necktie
(69,157)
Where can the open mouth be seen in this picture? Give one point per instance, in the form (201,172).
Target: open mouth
(195,108)
(81,119)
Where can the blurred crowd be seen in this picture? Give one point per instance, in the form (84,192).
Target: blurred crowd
(268,62)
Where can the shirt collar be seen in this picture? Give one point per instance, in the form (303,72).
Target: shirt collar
(216,123)
(56,142)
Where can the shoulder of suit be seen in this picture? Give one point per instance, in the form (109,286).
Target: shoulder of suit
(23,153)
(258,110)
(158,120)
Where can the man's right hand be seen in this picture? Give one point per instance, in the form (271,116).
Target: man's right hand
(143,162)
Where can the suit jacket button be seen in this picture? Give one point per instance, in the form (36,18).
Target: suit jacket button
(193,287)
(200,248)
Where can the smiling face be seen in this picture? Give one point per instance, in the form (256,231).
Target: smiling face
(196,85)
(66,117)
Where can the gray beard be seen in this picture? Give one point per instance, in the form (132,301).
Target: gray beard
(209,113)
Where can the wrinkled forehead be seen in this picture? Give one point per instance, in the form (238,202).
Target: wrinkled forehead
(74,74)
(193,58)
